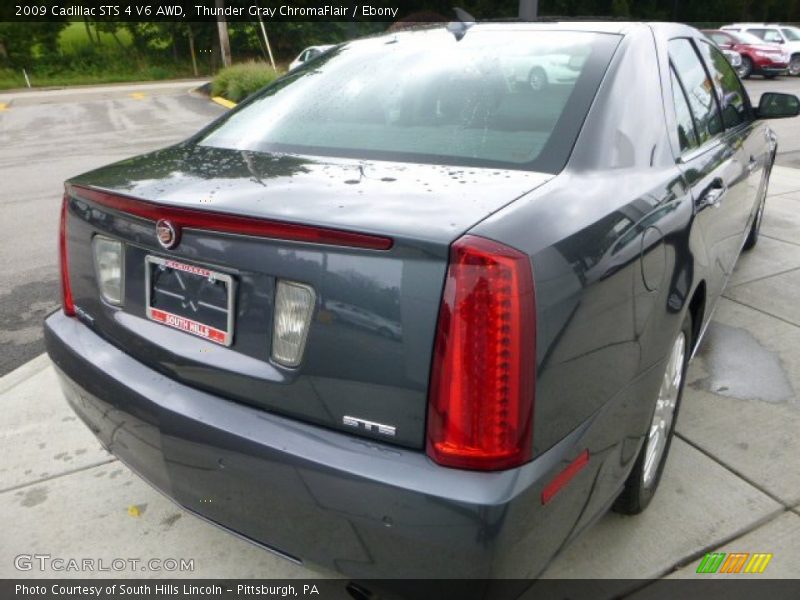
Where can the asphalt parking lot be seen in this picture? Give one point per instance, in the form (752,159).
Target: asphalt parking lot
(731,483)
(47,137)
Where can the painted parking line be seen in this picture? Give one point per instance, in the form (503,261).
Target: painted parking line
(138,95)
(3,106)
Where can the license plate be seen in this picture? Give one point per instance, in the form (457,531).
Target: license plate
(193,299)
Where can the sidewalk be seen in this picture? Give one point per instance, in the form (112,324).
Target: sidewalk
(732,483)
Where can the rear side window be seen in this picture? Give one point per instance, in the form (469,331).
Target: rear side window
(698,87)
(733,98)
(686,132)
(768,35)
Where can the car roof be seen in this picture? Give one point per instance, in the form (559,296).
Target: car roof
(577,24)
(758,25)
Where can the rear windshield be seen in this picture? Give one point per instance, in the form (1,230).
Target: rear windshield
(514,98)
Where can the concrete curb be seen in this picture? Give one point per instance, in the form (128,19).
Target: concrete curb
(223,101)
(24,372)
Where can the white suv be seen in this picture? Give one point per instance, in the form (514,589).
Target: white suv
(787,36)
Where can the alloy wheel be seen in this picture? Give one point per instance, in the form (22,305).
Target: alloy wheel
(746,68)
(537,79)
(661,424)
(794,66)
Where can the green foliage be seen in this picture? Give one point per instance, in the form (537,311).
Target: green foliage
(86,51)
(102,36)
(20,43)
(239,81)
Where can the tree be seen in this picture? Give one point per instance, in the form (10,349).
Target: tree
(19,40)
(224,41)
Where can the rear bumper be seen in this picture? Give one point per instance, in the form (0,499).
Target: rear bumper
(358,507)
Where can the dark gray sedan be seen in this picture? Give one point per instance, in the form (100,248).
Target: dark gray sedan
(403,314)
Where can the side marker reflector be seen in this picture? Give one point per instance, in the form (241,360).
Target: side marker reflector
(564,477)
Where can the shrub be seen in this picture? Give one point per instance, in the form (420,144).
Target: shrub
(239,81)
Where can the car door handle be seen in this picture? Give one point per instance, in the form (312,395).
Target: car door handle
(712,195)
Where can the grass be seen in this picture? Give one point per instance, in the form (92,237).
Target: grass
(81,61)
(73,38)
(12,79)
(239,81)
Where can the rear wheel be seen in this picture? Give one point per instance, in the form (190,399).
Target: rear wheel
(794,65)
(746,68)
(537,79)
(640,487)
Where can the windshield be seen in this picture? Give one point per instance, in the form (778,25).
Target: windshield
(791,33)
(496,97)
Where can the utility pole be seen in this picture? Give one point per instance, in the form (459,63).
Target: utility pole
(190,31)
(266,42)
(528,10)
(224,42)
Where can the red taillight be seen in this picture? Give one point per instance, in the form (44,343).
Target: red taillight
(228,223)
(482,382)
(66,290)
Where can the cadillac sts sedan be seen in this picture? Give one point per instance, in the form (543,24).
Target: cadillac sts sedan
(398,317)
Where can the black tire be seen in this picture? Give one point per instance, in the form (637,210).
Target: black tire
(637,493)
(770,76)
(794,65)
(755,228)
(537,79)
(746,68)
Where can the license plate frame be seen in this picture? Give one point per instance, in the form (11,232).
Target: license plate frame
(197,328)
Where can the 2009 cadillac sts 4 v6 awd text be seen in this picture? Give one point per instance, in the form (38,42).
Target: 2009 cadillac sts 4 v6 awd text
(422,307)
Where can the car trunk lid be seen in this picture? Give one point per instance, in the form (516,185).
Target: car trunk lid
(367,356)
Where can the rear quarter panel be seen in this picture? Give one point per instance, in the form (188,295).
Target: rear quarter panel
(609,244)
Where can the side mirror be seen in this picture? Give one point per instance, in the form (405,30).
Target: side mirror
(774,105)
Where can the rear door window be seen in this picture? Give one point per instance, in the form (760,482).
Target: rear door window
(698,87)
(733,99)
(687,136)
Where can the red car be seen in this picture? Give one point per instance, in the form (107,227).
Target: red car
(758,58)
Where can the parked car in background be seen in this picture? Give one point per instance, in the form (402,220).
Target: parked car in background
(758,57)
(307,54)
(397,318)
(733,57)
(787,36)
(538,72)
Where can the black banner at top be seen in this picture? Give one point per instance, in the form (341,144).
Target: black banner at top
(230,10)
